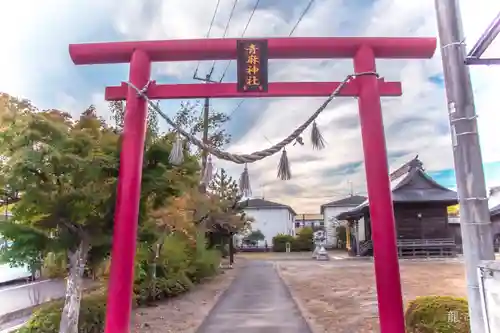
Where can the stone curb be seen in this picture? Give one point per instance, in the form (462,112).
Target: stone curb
(11,316)
(26,312)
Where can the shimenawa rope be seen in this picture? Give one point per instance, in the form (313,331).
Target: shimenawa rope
(258,155)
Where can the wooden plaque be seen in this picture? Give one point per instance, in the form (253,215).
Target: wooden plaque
(252,65)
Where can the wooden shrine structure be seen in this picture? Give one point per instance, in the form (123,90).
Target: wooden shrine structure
(420,210)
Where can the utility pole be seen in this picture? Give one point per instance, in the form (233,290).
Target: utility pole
(475,222)
(206,113)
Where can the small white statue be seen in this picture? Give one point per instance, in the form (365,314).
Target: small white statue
(320,252)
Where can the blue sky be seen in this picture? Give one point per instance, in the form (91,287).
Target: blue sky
(34,63)
(447,177)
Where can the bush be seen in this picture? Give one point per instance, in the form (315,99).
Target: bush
(170,273)
(437,314)
(47,318)
(206,262)
(304,240)
(180,264)
(279,242)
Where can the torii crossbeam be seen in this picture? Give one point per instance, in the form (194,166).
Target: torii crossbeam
(368,89)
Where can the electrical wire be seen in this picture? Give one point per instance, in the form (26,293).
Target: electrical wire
(226,29)
(302,15)
(230,18)
(208,33)
(242,35)
(236,108)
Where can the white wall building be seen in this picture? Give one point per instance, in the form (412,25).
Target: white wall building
(308,220)
(270,218)
(334,208)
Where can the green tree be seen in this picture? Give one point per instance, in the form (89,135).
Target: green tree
(190,118)
(65,172)
(255,236)
(227,218)
(224,189)
(117,109)
(30,248)
(304,239)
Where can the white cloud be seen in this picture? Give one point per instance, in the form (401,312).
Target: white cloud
(415,123)
(35,40)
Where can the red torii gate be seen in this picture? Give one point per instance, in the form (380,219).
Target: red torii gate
(368,89)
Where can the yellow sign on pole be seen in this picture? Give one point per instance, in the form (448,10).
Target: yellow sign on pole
(454,210)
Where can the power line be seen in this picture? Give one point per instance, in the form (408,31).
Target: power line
(227,27)
(230,18)
(208,33)
(242,35)
(236,108)
(302,15)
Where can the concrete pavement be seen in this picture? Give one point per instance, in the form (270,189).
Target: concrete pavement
(256,302)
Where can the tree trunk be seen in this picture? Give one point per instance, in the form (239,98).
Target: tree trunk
(231,250)
(74,286)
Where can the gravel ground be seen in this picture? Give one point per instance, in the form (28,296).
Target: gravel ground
(338,297)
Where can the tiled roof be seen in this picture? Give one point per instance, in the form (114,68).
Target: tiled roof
(264,204)
(352,200)
(410,183)
(495,211)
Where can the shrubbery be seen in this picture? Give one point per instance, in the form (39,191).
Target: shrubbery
(55,265)
(178,266)
(437,314)
(302,242)
(279,242)
(47,318)
(181,263)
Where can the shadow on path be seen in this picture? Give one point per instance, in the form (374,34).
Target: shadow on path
(256,302)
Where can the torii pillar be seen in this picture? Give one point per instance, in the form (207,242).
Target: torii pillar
(368,89)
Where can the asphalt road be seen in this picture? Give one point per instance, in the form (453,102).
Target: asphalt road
(21,296)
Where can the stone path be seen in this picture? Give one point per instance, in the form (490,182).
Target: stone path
(256,302)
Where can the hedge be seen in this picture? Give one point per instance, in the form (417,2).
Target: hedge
(302,242)
(180,265)
(437,314)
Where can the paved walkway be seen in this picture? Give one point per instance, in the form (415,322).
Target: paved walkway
(256,302)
